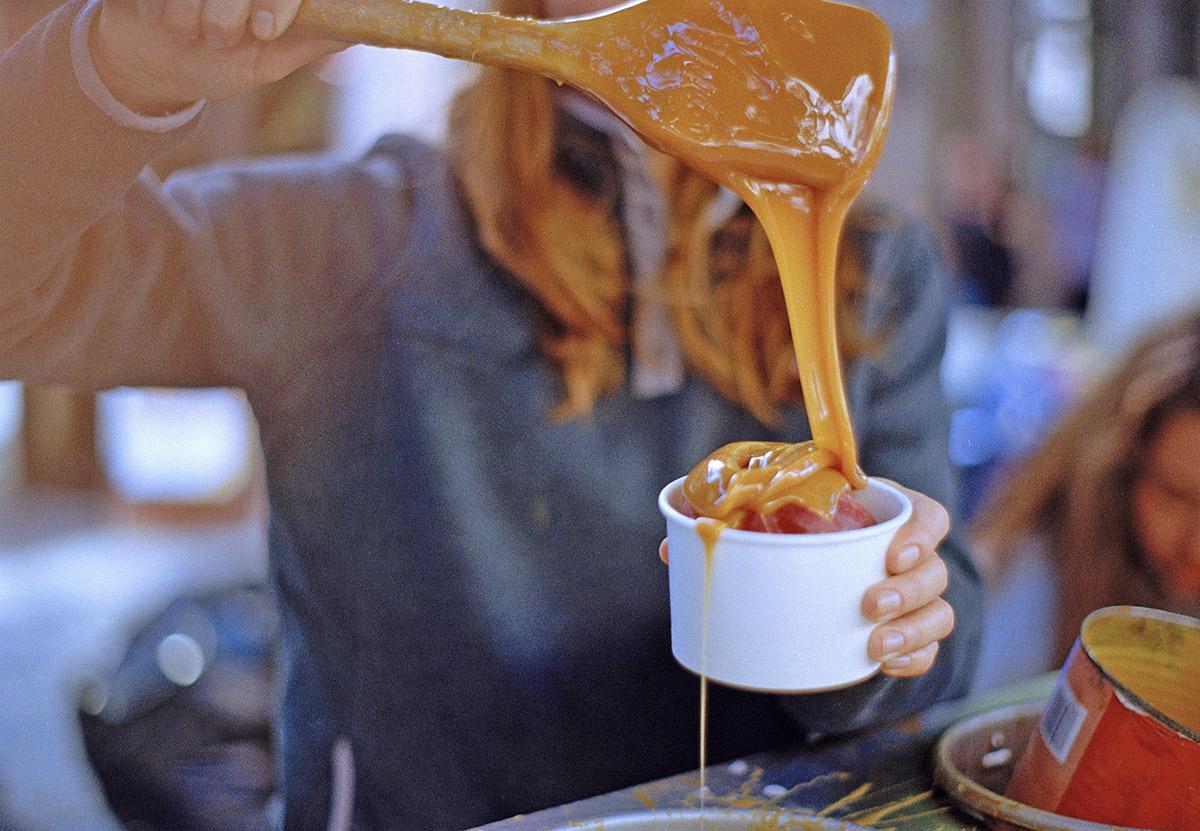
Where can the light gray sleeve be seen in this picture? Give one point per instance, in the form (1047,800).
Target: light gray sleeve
(902,421)
(100,95)
(109,277)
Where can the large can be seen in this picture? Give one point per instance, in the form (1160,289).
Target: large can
(1119,740)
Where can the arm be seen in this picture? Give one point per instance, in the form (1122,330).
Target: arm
(902,423)
(106,277)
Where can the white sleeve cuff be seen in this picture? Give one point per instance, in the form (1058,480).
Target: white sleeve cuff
(93,87)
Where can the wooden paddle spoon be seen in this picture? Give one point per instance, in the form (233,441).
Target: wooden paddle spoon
(793,91)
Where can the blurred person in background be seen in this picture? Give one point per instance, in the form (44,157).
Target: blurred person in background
(1074,196)
(472,372)
(975,198)
(1111,500)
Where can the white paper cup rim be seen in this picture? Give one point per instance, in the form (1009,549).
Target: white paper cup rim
(768,538)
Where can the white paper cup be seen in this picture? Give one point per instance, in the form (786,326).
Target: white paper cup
(784,610)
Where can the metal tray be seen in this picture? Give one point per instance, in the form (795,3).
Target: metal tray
(721,819)
(974,761)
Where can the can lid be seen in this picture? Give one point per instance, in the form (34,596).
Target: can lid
(1152,659)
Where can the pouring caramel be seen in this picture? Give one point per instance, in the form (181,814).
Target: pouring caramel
(786,102)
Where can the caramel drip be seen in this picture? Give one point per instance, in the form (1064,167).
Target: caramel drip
(709,549)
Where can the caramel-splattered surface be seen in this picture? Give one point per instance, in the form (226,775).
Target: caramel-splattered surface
(879,780)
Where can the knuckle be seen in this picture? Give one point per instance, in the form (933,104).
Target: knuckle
(870,602)
(232,32)
(222,19)
(182,32)
(222,32)
(916,588)
(925,658)
(946,618)
(939,575)
(180,18)
(942,519)
(916,662)
(176,22)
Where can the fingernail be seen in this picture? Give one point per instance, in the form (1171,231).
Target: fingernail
(908,557)
(263,25)
(886,602)
(899,662)
(892,641)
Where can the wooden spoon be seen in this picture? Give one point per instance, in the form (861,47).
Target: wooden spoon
(775,90)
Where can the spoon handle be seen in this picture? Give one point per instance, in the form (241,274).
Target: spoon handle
(522,43)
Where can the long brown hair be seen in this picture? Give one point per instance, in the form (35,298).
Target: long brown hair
(1075,490)
(566,246)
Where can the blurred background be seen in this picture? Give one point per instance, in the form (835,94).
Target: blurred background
(1053,145)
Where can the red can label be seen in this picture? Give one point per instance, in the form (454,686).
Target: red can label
(1100,756)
